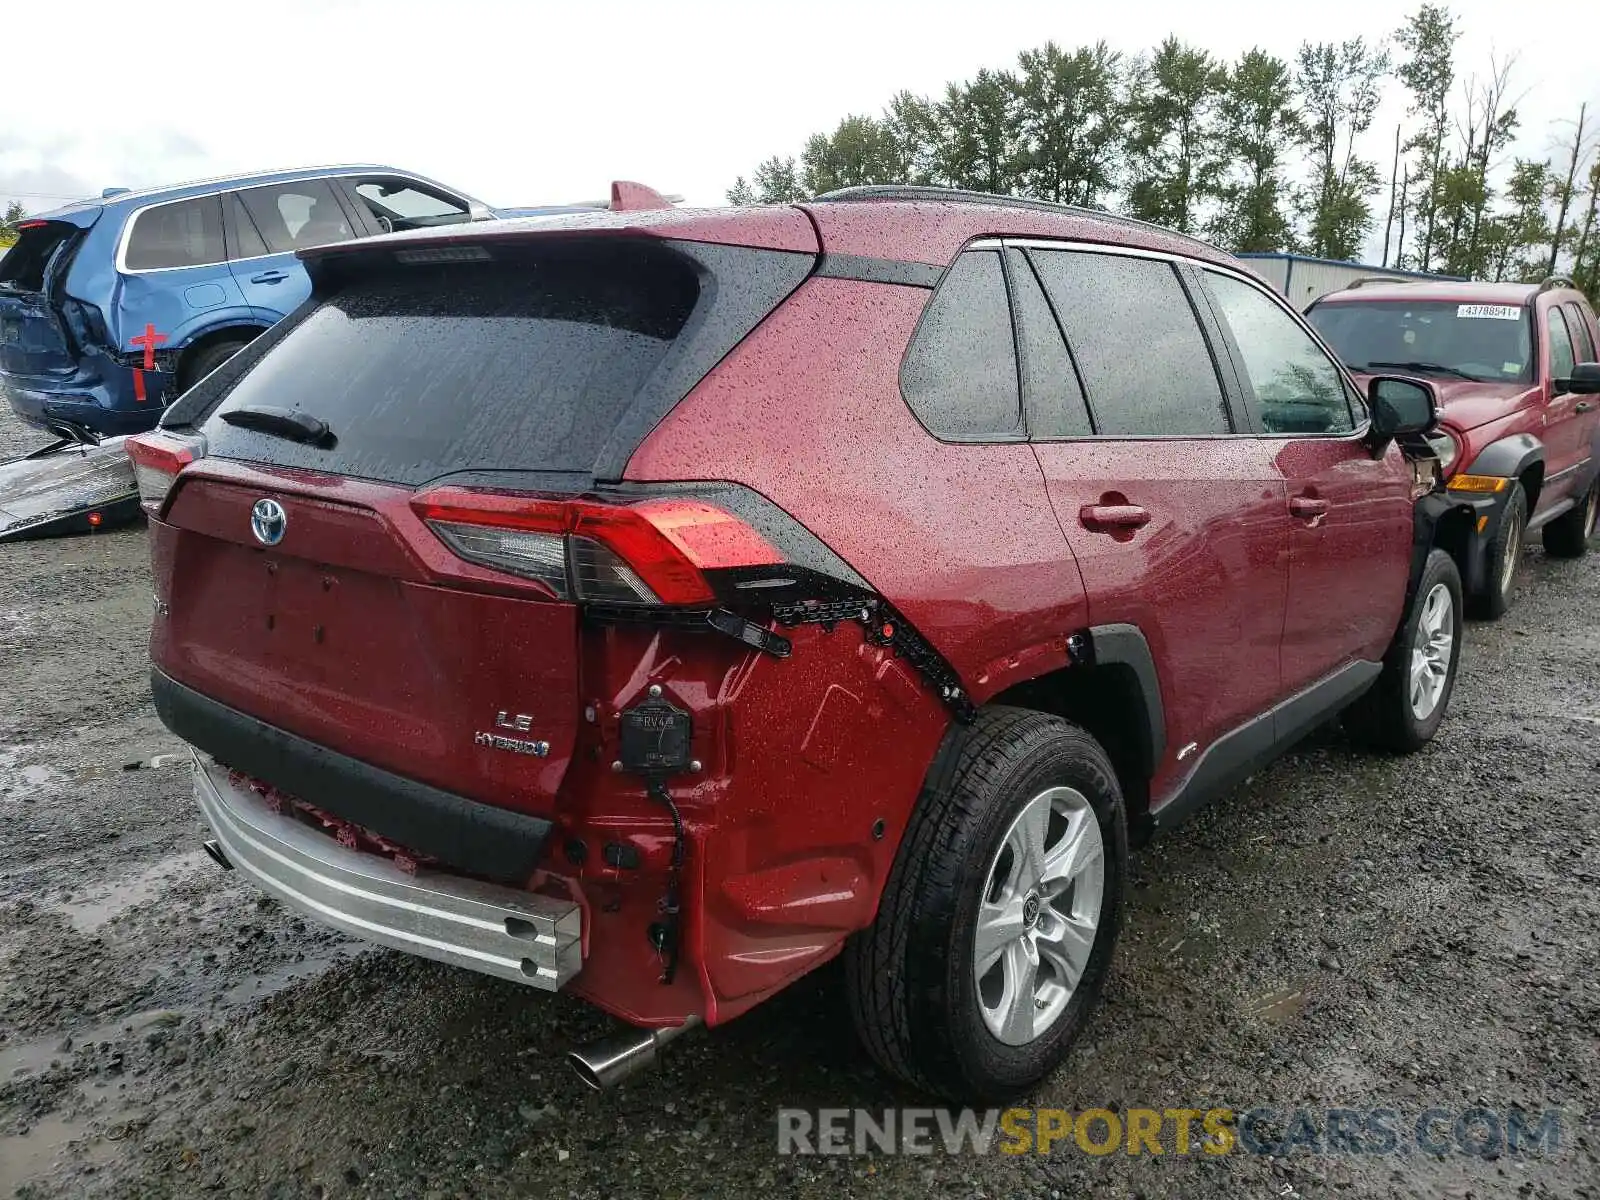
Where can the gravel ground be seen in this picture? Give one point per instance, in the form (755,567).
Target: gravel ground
(1343,931)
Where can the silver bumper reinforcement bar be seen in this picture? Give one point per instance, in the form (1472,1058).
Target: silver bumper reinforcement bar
(515,935)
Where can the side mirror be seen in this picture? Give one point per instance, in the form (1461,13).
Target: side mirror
(1400,406)
(477,210)
(1585,380)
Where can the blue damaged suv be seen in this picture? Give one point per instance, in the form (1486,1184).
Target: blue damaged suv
(110,308)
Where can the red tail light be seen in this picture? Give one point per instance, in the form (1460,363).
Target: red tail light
(652,551)
(157,457)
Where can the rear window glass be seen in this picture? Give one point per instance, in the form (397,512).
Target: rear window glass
(429,370)
(187,233)
(1445,339)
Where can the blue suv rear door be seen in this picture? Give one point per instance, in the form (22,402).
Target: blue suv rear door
(269,224)
(174,279)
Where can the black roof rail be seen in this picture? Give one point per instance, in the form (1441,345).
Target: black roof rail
(1555,281)
(915,192)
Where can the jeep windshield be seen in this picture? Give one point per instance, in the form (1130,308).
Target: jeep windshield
(1488,343)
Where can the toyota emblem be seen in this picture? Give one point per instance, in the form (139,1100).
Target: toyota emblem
(268,521)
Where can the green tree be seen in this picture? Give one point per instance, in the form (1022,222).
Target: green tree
(1428,71)
(776,182)
(1338,92)
(1070,122)
(913,124)
(1260,125)
(741,193)
(1512,239)
(1564,189)
(979,124)
(861,150)
(1173,98)
(8,223)
(1585,250)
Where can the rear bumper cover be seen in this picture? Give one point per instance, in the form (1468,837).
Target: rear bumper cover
(465,835)
(516,935)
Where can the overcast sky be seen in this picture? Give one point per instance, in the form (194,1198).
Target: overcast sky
(528,103)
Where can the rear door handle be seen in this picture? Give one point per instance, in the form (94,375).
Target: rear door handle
(270,277)
(1121,516)
(1307,506)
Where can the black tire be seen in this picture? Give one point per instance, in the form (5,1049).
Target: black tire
(1568,535)
(910,977)
(202,362)
(1491,601)
(1384,717)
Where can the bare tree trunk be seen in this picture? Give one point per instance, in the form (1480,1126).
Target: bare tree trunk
(1400,242)
(1394,180)
(1564,196)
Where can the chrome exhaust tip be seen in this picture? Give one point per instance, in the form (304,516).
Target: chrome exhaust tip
(606,1063)
(215,852)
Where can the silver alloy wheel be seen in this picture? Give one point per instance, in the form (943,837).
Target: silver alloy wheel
(1432,650)
(1508,563)
(1038,915)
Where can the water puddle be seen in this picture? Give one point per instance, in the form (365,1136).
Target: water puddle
(1278,1007)
(101,904)
(267,983)
(30,1058)
(27,1156)
(17,777)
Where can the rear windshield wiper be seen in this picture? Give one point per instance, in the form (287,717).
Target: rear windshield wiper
(1421,366)
(281,422)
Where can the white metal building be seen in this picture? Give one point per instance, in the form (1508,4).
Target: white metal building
(1303,279)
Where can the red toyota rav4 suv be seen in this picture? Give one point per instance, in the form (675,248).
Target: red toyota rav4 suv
(655,605)
(1516,369)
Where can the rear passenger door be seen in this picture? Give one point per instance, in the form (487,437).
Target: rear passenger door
(1349,513)
(173,273)
(1178,522)
(269,224)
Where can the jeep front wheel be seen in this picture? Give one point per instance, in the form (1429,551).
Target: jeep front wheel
(1502,556)
(998,922)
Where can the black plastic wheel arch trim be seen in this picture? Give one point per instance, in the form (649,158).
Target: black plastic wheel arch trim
(1125,645)
(470,836)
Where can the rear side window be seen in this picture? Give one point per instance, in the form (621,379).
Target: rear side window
(960,375)
(187,233)
(1583,343)
(1561,357)
(293,216)
(520,364)
(1134,335)
(1297,388)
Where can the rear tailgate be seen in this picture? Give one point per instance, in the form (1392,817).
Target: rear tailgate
(519,370)
(32,340)
(344,634)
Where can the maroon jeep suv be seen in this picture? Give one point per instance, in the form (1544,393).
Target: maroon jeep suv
(655,605)
(1515,367)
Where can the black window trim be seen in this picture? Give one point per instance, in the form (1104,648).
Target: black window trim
(1021,437)
(1011,254)
(1230,396)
